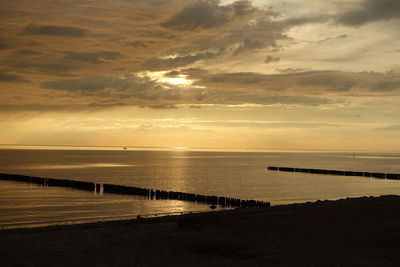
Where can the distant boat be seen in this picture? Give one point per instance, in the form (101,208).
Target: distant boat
(125,148)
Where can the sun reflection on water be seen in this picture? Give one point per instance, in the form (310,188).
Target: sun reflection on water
(78,166)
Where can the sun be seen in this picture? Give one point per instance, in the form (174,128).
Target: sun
(178,80)
(180,148)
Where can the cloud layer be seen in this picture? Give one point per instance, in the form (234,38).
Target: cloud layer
(370,11)
(52,30)
(264,68)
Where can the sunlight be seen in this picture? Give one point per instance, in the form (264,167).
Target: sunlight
(178,80)
(180,148)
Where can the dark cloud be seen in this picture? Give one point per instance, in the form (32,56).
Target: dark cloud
(26,52)
(298,21)
(52,30)
(154,2)
(337,83)
(289,100)
(389,128)
(241,78)
(310,83)
(36,66)
(229,37)
(107,91)
(208,29)
(270,59)
(4,44)
(157,34)
(128,90)
(141,91)
(208,14)
(175,62)
(97,83)
(384,86)
(11,41)
(6,77)
(248,45)
(292,70)
(139,44)
(172,74)
(5,107)
(161,106)
(92,57)
(369,11)
(236,39)
(342,36)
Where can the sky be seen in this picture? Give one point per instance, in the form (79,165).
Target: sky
(218,74)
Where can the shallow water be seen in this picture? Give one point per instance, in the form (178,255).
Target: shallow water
(232,174)
(31,205)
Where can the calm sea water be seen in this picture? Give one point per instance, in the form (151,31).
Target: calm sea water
(233,174)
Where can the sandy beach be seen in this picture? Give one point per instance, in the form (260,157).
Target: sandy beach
(349,232)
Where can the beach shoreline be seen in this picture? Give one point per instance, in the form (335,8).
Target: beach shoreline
(348,232)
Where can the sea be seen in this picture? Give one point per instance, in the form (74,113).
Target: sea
(238,174)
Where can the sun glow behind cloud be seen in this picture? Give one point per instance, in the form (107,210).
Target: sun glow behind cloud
(162,77)
(180,148)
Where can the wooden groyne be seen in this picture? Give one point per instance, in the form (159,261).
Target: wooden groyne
(130,190)
(378,175)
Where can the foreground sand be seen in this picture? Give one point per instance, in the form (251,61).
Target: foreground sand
(350,232)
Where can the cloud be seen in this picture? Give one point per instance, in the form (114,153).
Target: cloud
(322,83)
(202,32)
(339,37)
(6,77)
(175,62)
(92,57)
(127,90)
(234,40)
(389,128)
(154,2)
(26,52)
(384,86)
(394,70)
(208,14)
(10,108)
(225,37)
(52,67)
(97,83)
(270,59)
(172,74)
(52,30)
(142,91)
(370,11)
(230,30)
(295,100)
(330,82)
(268,124)
(312,88)
(165,106)
(292,70)
(139,44)
(248,45)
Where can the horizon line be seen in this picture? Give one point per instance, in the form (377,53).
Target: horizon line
(196,148)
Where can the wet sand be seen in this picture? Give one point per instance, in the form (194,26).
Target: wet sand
(350,232)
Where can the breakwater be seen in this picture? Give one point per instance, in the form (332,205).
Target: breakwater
(130,190)
(377,175)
